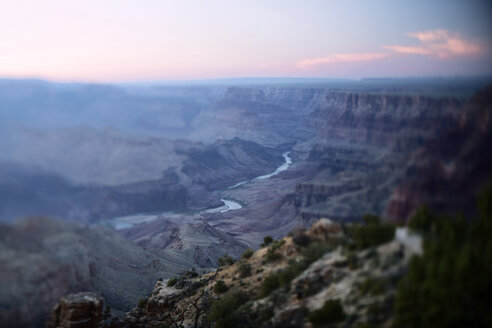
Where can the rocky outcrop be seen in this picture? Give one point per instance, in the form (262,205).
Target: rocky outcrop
(81,310)
(364,282)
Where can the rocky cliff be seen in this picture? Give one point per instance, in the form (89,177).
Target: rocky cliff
(400,121)
(449,171)
(81,310)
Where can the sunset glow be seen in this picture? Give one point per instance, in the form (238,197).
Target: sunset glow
(177,40)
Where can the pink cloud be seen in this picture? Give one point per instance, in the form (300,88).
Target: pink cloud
(440,43)
(311,63)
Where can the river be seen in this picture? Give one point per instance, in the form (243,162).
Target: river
(123,222)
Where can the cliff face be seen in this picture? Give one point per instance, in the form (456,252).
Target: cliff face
(356,143)
(401,121)
(450,170)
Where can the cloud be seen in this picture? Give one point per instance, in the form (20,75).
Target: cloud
(311,63)
(440,43)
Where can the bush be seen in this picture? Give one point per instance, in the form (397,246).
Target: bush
(269,284)
(331,312)
(244,270)
(247,254)
(373,286)
(280,278)
(314,251)
(107,312)
(220,287)
(223,311)
(172,281)
(225,260)
(300,238)
(272,255)
(373,233)
(267,240)
(191,273)
(142,303)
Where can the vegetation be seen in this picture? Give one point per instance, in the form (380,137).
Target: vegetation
(267,240)
(450,284)
(300,238)
(372,233)
(244,270)
(280,278)
(314,251)
(142,303)
(331,312)
(272,253)
(220,287)
(191,273)
(247,254)
(107,312)
(223,312)
(373,286)
(269,284)
(172,281)
(225,260)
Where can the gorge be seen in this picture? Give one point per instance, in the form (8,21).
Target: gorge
(174,178)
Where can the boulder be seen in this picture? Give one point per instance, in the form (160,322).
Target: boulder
(81,310)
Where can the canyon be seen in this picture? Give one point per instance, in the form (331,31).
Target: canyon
(173,178)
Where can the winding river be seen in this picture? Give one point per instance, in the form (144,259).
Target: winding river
(229,204)
(232,205)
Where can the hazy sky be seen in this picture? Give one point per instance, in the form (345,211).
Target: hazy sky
(124,40)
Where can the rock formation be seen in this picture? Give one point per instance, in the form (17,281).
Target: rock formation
(81,310)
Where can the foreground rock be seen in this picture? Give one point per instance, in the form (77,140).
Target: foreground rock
(82,310)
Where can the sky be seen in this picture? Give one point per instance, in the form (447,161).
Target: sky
(144,40)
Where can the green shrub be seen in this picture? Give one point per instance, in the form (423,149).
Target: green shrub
(244,270)
(372,233)
(331,312)
(191,273)
(267,240)
(280,278)
(353,261)
(269,284)
(223,311)
(314,251)
(142,303)
(373,286)
(300,238)
(172,281)
(247,254)
(107,312)
(272,254)
(220,287)
(225,260)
